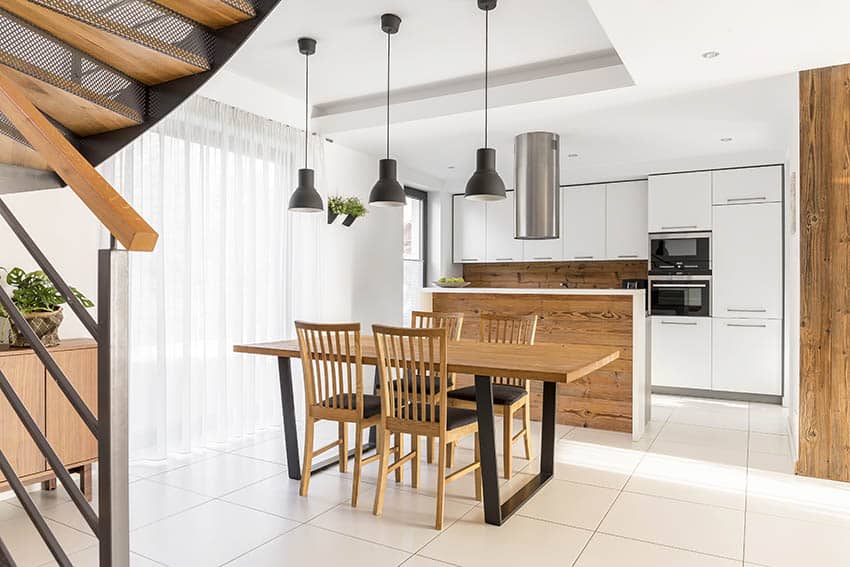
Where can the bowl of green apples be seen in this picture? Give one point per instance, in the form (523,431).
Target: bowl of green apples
(451,282)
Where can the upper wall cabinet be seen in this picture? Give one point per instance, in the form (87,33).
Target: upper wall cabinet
(584,222)
(749,185)
(680,202)
(627,237)
(501,246)
(469,226)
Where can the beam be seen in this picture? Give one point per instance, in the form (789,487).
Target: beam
(131,230)
(824,270)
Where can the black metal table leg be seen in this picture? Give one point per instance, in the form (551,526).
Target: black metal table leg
(494,513)
(290,429)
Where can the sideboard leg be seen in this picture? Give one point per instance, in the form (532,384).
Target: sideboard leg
(86,485)
(49,485)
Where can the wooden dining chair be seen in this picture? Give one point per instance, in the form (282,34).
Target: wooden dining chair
(419,354)
(511,394)
(333,387)
(453,322)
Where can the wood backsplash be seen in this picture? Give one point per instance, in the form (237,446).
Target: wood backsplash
(594,275)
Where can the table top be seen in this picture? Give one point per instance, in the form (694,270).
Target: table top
(542,361)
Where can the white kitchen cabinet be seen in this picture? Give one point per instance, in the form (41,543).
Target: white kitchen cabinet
(680,202)
(469,230)
(747,261)
(748,185)
(747,356)
(681,352)
(627,233)
(501,246)
(584,222)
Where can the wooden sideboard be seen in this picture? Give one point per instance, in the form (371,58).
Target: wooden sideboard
(64,429)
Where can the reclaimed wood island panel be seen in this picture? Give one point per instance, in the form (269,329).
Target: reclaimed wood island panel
(614,398)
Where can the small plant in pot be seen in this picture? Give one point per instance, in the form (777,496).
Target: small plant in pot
(354,209)
(336,207)
(40,303)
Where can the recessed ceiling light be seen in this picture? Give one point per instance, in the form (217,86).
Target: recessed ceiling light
(725,139)
(572,155)
(710,54)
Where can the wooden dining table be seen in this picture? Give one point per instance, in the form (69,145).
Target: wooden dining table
(551,364)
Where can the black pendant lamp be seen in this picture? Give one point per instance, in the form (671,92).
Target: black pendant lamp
(485,184)
(388,192)
(305,198)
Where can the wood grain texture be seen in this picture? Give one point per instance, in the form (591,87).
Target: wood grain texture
(98,195)
(26,374)
(583,275)
(13,152)
(145,58)
(67,433)
(212,13)
(602,399)
(824,450)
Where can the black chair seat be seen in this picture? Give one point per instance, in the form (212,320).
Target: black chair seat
(503,395)
(455,417)
(371,404)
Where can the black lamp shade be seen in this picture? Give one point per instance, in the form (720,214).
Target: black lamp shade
(305,198)
(387,192)
(485,184)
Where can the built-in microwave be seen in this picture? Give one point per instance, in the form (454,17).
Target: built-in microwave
(680,296)
(680,253)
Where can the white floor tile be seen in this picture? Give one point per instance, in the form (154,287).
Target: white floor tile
(419,561)
(691,480)
(608,438)
(783,464)
(407,522)
(272,451)
(309,545)
(27,547)
(798,497)
(587,463)
(686,525)
(784,542)
(769,443)
(208,535)
(143,469)
(607,550)
(721,417)
(571,504)
(91,558)
(279,495)
(707,436)
(219,475)
(718,454)
(521,541)
(766,418)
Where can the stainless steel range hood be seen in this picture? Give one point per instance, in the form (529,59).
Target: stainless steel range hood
(538,182)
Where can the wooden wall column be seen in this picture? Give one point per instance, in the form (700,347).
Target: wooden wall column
(825,273)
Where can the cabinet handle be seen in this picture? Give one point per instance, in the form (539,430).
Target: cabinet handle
(746,326)
(731,310)
(678,227)
(584,257)
(678,323)
(542,258)
(683,285)
(628,256)
(503,259)
(740,199)
(469,259)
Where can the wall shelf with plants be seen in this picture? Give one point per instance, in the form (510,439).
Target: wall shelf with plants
(352,207)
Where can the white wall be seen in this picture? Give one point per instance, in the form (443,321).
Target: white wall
(66,232)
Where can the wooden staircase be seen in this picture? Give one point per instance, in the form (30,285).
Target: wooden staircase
(80,79)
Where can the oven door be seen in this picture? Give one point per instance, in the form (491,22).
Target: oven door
(686,253)
(683,298)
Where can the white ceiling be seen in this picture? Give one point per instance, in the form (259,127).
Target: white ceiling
(657,106)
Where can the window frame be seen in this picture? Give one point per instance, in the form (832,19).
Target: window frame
(422,197)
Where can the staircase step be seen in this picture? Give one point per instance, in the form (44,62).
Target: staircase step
(80,93)
(141,38)
(15,150)
(214,14)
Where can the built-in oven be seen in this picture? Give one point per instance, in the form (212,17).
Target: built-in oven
(680,296)
(681,253)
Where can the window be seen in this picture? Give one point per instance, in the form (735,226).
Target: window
(415,248)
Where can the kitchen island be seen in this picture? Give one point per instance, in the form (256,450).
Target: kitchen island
(615,398)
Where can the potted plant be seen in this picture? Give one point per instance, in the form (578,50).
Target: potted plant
(354,208)
(336,207)
(40,303)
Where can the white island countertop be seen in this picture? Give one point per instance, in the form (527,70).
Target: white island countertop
(536,291)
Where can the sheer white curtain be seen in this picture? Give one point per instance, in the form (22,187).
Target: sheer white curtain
(232,266)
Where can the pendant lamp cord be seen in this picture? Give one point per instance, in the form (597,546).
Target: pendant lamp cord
(486,74)
(306,110)
(389,44)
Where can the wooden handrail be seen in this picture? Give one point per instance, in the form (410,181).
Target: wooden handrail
(116,214)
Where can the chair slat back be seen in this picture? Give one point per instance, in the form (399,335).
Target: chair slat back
(405,356)
(453,322)
(508,329)
(332,363)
